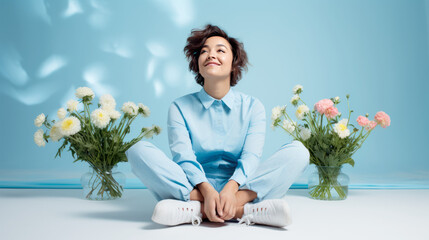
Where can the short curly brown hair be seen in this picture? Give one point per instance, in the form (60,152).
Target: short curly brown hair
(195,42)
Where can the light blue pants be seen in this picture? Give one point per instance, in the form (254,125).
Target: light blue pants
(166,179)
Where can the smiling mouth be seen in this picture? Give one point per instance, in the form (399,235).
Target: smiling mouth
(212,64)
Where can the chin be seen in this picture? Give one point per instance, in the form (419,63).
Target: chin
(214,74)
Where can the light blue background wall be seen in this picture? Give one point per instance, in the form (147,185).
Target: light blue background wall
(377,51)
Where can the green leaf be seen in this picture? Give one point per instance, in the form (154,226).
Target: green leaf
(349,161)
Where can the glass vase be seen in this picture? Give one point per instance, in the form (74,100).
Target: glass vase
(101,184)
(328,183)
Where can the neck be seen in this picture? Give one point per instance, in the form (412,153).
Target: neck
(217,88)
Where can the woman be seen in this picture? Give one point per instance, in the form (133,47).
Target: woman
(216,138)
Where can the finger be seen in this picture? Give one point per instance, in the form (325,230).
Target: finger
(222,207)
(214,217)
(226,210)
(218,207)
(212,212)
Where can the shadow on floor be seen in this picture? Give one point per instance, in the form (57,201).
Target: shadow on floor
(135,206)
(207,224)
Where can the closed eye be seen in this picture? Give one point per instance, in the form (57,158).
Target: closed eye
(217,50)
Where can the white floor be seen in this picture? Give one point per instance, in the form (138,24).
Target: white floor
(64,214)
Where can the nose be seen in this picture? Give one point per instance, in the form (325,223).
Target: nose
(210,55)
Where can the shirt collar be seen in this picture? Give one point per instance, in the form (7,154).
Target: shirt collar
(208,100)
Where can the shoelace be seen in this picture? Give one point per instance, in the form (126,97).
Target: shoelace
(246,219)
(196,220)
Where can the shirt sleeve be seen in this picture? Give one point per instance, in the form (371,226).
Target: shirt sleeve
(253,145)
(181,146)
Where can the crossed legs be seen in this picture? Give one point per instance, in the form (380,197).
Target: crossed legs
(167,180)
(243,196)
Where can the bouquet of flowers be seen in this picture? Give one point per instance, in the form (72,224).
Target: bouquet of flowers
(331,140)
(95,137)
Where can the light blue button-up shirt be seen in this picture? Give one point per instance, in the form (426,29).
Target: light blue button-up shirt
(216,138)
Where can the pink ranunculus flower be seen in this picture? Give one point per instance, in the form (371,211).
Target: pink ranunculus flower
(383,119)
(331,112)
(362,121)
(322,105)
(371,125)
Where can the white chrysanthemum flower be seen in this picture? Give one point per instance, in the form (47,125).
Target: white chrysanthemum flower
(149,134)
(130,108)
(107,102)
(38,138)
(274,123)
(156,129)
(341,128)
(289,125)
(336,100)
(294,100)
(100,118)
(302,111)
(55,133)
(144,110)
(69,126)
(39,120)
(277,112)
(61,113)
(297,89)
(305,133)
(113,114)
(84,92)
(72,105)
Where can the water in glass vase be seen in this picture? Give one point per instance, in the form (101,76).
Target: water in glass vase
(103,185)
(328,183)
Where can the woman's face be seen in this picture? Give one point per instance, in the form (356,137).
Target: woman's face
(215,61)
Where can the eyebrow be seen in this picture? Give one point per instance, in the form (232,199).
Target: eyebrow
(220,45)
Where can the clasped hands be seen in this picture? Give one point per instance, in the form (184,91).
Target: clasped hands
(219,206)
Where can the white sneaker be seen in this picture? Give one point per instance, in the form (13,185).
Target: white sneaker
(172,212)
(273,212)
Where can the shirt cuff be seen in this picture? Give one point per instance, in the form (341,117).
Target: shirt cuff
(197,180)
(194,175)
(239,177)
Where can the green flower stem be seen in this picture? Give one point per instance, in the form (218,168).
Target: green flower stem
(127,123)
(329,126)
(111,125)
(149,132)
(121,124)
(327,182)
(122,136)
(350,112)
(78,116)
(87,116)
(109,186)
(87,121)
(290,119)
(295,136)
(363,140)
